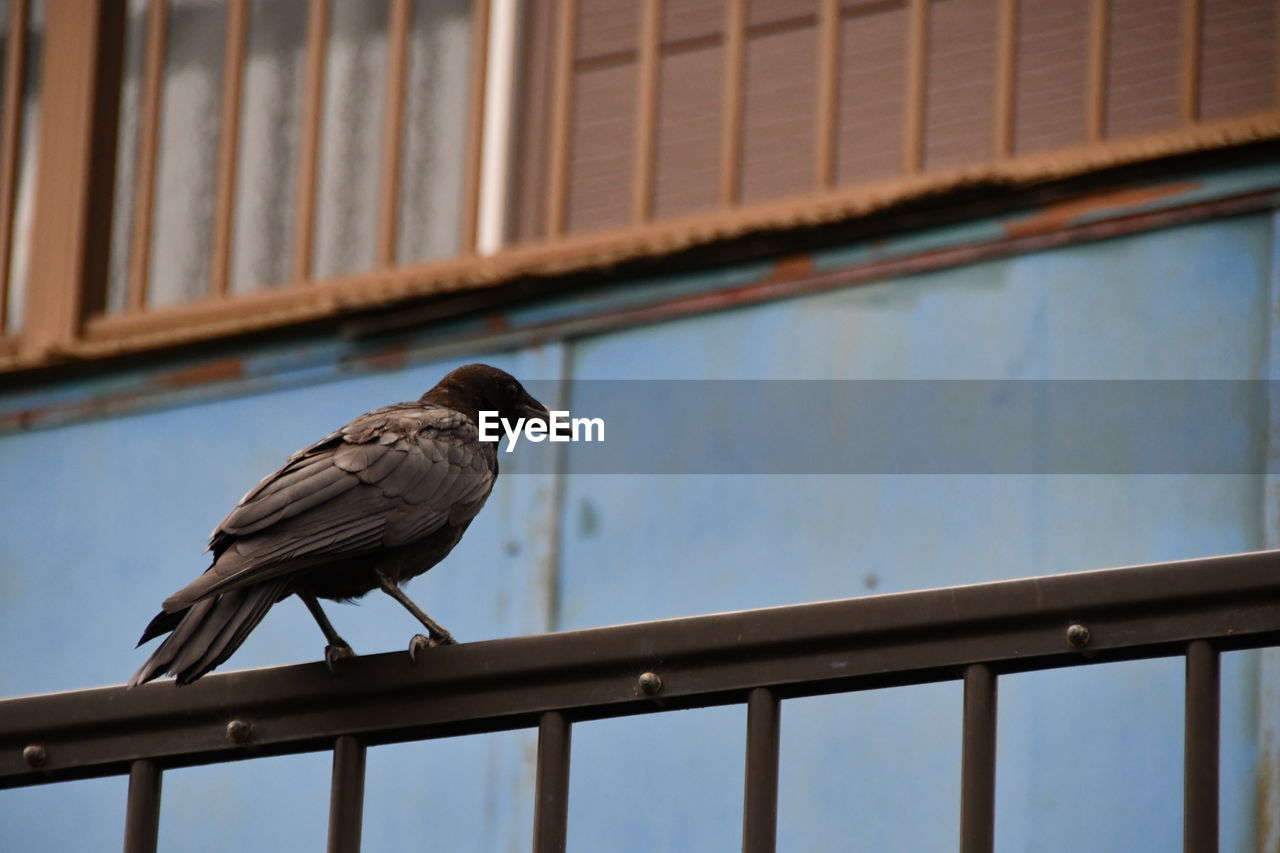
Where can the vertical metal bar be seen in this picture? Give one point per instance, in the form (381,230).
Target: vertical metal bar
(346,795)
(476,94)
(80,76)
(393,130)
(917,77)
(561,118)
(735,37)
(978,764)
(11,144)
(228,147)
(1096,101)
(1189,86)
(760,797)
(826,138)
(551,799)
(1200,767)
(142,814)
(304,216)
(647,111)
(144,189)
(1006,70)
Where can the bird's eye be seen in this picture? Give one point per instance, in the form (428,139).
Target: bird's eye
(511,390)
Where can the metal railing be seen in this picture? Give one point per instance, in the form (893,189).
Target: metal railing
(1194,608)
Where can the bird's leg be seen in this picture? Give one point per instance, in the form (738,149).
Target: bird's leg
(439,636)
(338,648)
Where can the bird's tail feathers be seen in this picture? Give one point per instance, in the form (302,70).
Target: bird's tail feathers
(208,632)
(163,623)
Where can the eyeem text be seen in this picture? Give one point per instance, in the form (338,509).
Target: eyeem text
(559,427)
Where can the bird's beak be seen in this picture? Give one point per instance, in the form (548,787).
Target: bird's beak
(531,408)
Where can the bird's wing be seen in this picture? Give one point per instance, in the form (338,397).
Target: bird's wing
(391,477)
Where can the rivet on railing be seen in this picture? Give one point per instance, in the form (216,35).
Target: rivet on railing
(35,756)
(650,684)
(1078,636)
(238,731)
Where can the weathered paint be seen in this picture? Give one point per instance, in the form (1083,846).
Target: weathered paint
(1268,716)
(1135,308)
(106,518)
(1059,215)
(222,370)
(100,526)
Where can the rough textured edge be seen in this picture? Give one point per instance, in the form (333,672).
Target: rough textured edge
(295,304)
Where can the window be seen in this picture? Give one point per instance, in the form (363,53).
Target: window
(272,165)
(284,161)
(20,24)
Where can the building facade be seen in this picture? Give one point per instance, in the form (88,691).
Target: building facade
(229,227)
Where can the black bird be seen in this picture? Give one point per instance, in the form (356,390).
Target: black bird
(368,506)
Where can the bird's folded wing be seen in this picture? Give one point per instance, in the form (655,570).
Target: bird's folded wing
(359,490)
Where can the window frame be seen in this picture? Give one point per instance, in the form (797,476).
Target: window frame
(79,104)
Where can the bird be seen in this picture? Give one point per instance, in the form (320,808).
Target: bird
(369,506)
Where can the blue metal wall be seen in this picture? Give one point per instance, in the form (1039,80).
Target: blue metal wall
(104,517)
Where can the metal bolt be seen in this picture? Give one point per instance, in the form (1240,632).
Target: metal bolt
(35,755)
(238,731)
(1077,636)
(650,683)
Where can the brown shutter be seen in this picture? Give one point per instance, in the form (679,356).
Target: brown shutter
(1237,65)
(960,83)
(917,85)
(780,99)
(873,50)
(531,127)
(1144,46)
(602,139)
(1052,56)
(689,109)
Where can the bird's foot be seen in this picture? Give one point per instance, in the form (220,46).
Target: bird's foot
(334,653)
(419,642)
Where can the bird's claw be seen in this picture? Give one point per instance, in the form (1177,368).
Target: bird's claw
(333,654)
(419,642)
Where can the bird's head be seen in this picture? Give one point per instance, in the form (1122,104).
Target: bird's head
(478,387)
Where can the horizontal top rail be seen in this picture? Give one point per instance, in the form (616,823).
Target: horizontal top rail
(808,649)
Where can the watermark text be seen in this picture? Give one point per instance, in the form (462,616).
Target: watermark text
(559,426)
